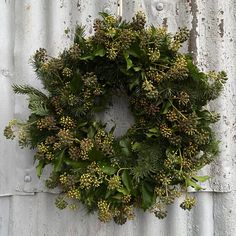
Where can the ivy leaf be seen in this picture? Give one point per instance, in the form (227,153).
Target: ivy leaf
(137,68)
(82,124)
(147,196)
(136,146)
(100,51)
(150,135)
(59,161)
(134,83)
(170,152)
(118,196)
(193,184)
(76,83)
(95,154)
(108,193)
(76,164)
(109,170)
(87,57)
(153,132)
(112,129)
(166,107)
(129,63)
(91,132)
(39,168)
(123,190)
(135,51)
(201,178)
(126,180)
(128,60)
(125,147)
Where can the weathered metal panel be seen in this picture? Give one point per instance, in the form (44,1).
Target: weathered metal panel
(29,24)
(36,216)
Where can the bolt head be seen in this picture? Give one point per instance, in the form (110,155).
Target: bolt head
(159,6)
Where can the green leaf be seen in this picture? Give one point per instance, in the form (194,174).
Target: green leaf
(118,196)
(166,107)
(59,161)
(126,180)
(134,83)
(128,60)
(129,63)
(193,184)
(82,124)
(123,190)
(108,193)
(135,51)
(125,147)
(112,129)
(91,132)
(87,57)
(96,155)
(154,130)
(76,83)
(109,170)
(151,135)
(100,51)
(137,68)
(126,72)
(136,146)
(170,152)
(147,196)
(201,178)
(39,168)
(76,164)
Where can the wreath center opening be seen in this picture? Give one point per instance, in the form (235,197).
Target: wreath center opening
(118,115)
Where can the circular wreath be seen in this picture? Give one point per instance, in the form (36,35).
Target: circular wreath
(160,154)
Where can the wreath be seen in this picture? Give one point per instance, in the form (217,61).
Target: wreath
(159,155)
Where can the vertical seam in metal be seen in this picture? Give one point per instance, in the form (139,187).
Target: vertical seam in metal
(120,8)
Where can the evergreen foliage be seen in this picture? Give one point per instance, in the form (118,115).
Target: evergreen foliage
(160,154)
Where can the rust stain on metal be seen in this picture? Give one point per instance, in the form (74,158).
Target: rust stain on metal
(164,22)
(192,46)
(28,7)
(221,28)
(189,2)
(177,10)
(78,5)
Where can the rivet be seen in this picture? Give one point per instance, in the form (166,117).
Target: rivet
(160,6)
(27,178)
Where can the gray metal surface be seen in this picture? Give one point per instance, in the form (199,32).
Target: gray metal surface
(26,207)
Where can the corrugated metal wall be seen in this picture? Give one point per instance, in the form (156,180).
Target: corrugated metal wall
(26,208)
